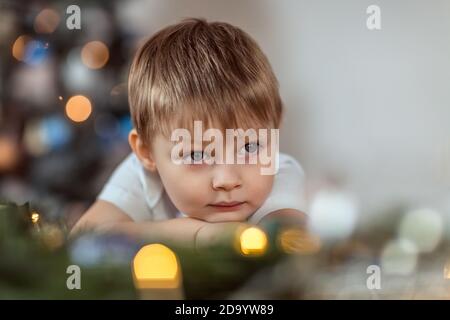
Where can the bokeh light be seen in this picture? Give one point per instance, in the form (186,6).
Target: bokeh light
(33,139)
(399,257)
(333,215)
(35,217)
(95,54)
(298,241)
(56,131)
(424,227)
(76,76)
(156,266)
(46,21)
(9,154)
(43,135)
(78,108)
(52,236)
(90,249)
(35,52)
(18,48)
(253,241)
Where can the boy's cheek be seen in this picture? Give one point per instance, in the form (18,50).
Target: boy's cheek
(187,192)
(261,185)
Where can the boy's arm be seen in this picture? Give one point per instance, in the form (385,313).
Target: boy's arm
(99,214)
(103,216)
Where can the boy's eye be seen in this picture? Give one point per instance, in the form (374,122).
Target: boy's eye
(251,147)
(195,156)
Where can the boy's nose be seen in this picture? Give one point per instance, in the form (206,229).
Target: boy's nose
(226,178)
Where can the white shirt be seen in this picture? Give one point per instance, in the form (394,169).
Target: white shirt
(140,193)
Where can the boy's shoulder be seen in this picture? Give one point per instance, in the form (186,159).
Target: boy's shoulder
(133,189)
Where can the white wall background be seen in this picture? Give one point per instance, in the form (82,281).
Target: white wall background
(369,108)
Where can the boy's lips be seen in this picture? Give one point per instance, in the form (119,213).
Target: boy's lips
(226,206)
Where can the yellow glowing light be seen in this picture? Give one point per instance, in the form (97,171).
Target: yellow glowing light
(78,108)
(156,266)
(253,241)
(35,217)
(295,240)
(52,237)
(18,48)
(46,21)
(95,54)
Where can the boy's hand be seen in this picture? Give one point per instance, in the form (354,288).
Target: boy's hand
(211,234)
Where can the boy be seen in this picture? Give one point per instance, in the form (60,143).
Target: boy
(215,73)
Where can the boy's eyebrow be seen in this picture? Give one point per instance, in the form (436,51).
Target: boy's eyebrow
(207,142)
(183,141)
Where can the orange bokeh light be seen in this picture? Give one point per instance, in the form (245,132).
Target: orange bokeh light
(9,154)
(46,21)
(78,108)
(18,48)
(95,54)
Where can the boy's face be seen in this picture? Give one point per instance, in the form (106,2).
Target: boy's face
(213,192)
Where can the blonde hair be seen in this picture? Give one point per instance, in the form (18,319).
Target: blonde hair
(199,70)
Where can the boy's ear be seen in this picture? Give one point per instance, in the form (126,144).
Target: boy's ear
(141,150)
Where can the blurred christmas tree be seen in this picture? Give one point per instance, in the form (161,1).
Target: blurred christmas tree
(64,115)
(36,256)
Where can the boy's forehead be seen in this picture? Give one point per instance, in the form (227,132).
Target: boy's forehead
(217,130)
(196,125)
(206,122)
